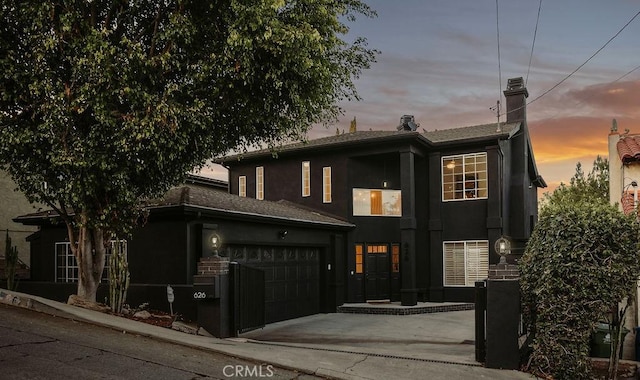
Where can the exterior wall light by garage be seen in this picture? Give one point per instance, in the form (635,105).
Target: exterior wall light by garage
(215,242)
(282,234)
(503,248)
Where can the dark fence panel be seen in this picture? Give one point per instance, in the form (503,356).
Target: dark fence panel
(248,297)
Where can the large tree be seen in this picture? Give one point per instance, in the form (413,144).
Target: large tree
(592,187)
(105,103)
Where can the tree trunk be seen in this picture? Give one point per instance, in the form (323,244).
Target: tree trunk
(89,249)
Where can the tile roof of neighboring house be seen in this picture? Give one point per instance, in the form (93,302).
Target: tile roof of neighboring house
(629,148)
(220,201)
(474,132)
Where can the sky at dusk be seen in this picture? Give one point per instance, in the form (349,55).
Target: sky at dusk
(439,62)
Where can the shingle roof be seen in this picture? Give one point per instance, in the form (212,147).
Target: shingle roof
(215,200)
(629,148)
(221,202)
(335,140)
(473,132)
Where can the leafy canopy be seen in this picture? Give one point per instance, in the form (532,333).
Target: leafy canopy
(111,101)
(592,187)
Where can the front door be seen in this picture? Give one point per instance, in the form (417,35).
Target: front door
(377,272)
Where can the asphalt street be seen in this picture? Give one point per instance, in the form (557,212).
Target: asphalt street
(35,345)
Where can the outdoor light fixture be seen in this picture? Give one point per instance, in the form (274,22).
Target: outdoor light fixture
(215,242)
(282,234)
(503,248)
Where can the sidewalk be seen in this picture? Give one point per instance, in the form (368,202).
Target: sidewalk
(342,346)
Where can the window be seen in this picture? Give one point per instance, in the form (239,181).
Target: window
(377,202)
(260,182)
(359,262)
(242,186)
(395,258)
(306,178)
(67,267)
(326,184)
(465,262)
(464,176)
(377,248)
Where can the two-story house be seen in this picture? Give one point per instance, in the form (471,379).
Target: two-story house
(427,206)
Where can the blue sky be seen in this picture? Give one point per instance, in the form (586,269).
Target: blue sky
(439,62)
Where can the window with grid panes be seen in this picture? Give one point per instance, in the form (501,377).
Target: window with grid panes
(326,184)
(464,177)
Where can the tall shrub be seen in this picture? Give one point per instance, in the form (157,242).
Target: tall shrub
(11,262)
(581,260)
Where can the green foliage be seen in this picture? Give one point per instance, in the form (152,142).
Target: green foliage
(107,102)
(593,187)
(11,262)
(118,276)
(581,260)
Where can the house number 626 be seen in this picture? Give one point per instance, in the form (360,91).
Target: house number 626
(199,295)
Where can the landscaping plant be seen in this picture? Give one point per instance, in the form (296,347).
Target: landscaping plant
(11,262)
(581,261)
(118,276)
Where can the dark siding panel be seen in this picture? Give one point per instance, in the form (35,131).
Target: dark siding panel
(157,254)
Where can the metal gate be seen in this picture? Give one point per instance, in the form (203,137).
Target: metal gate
(247,296)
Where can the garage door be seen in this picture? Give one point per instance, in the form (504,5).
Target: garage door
(292,278)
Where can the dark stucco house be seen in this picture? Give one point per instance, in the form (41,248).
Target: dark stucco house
(427,206)
(371,215)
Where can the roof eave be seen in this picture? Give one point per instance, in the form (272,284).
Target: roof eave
(243,215)
(258,155)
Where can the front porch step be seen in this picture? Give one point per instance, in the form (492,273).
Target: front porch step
(395,308)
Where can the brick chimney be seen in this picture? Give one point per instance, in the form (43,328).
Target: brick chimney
(516,95)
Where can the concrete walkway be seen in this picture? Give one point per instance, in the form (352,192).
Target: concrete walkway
(341,346)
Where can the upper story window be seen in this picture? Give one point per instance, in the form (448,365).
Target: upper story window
(369,202)
(465,262)
(260,182)
(326,184)
(464,176)
(306,178)
(242,186)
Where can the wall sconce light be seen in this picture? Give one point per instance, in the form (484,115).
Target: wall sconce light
(215,242)
(503,248)
(282,234)
(385,184)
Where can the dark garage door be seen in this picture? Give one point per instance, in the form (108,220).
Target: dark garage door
(292,278)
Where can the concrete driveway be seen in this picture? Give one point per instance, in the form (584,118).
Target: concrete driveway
(441,337)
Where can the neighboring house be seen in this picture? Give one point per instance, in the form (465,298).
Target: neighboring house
(427,206)
(298,250)
(13,203)
(624,184)
(624,168)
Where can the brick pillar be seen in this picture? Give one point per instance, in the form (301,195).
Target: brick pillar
(211,284)
(213,266)
(503,317)
(504,272)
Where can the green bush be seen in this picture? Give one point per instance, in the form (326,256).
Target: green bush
(581,261)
